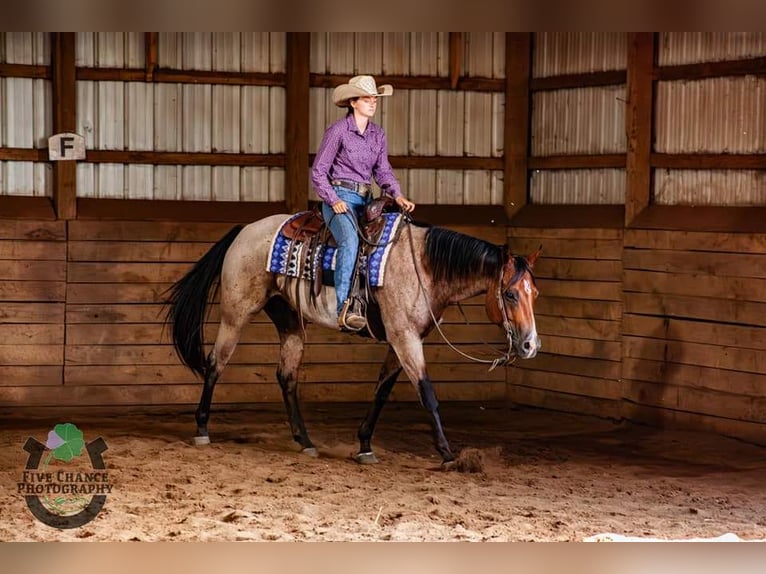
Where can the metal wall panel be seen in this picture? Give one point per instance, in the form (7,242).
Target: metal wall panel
(396,53)
(692,47)
(452,123)
(318,55)
(278,51)
(478,59)
(423,121)
(709,187)
(717,115)
(110,49)
(227,55)
(498,125)
(110,129)
(340,53)
(498,192)
(478,124)
(558,53)
(255,184)
(394,117)
(18,113)
(168,181)
(449,187)
(32,48)
(277,120)
(25,178)
(226,181)
(139,116)
(86,112)
(226,118)
(276,184)
(477,187)
(139,181)
(422,185)
(578,186)
(197,109)
(368,53)
(168,117)
(169,50)
(86,179)
(256,109)
(498,55)
(110,180)
(255,51)
(42,112)
(583,120)
(426,48)
(196,50)
(197,184)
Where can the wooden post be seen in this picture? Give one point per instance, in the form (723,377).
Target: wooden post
(517,110)
(64,120)
(455,58)
(638,123)
(151,54)
(297,132)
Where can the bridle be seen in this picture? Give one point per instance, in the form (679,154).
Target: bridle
(508,356)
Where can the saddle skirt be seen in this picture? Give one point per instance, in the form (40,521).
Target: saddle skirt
(303,255)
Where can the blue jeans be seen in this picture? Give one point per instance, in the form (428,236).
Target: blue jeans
(344,229)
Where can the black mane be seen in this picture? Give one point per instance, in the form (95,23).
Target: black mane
(452,256)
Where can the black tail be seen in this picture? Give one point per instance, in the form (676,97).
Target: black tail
(188,302)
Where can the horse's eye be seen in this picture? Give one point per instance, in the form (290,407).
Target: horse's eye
(511,296)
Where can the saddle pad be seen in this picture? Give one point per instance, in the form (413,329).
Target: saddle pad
(294,258)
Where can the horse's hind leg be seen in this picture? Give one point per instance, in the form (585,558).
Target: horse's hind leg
(226,341)
(388,375)
(291,342)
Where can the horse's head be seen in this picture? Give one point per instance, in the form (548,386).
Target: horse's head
(511,301)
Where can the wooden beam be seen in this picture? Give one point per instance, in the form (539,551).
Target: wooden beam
(151,54)
(64,120)
(708,161)
(474,84)
(518,52)
(638,121)
(23,154)
(186,158)
(455,58)
(168,210)
(445,162)
(754,66)
(577,161)
(25,207)
(24,71)
(564,81)
(183,76)
(570,217)
(297,128)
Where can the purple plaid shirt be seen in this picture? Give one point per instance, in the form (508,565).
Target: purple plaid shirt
(347,154)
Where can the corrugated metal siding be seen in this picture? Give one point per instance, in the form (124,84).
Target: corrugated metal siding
(484,54)
(578,186)
(224,51)
(579,121)
(110,49)
(718,115)
(558,53)
(25,48)
(693,47)
(709,187)
(26,178)
(179,117)
(25,112)
(416,53)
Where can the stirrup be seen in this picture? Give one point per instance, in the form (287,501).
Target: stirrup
(350,321)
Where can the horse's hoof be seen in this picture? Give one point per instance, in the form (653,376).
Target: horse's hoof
(448,465)
(366,458)
(311,451)
(201,440)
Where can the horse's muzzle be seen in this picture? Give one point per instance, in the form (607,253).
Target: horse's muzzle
(528,348)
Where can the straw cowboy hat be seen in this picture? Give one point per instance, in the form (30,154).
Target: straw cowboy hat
(357,87)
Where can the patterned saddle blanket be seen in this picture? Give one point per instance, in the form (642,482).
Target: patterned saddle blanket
(308,259)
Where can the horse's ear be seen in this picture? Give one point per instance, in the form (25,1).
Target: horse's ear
(533,256)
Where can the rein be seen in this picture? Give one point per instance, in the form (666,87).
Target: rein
(507,357)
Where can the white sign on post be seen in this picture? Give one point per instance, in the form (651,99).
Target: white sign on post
(66,146)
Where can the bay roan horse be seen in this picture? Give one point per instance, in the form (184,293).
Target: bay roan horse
(427,267)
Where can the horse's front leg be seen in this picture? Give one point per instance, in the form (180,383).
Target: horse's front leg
(409,349)
(388,375)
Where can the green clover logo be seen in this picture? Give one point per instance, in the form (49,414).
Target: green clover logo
(65,440)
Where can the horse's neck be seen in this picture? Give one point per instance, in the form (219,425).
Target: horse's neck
(460,291)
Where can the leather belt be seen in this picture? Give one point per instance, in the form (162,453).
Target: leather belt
(361,188)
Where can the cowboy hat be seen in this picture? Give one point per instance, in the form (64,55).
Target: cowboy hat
(357,87)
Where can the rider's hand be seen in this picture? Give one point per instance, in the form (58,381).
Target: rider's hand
(340,206)
(405,204)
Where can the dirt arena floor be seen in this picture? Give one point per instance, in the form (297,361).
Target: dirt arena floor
(542,476)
